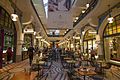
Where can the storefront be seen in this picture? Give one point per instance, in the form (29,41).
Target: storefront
(7,34)
(28,41)
(112,39)
(89,41)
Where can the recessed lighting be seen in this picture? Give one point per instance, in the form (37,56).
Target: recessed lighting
(87,5)
(83,11)
(77,18)
(67,29)
(110,19)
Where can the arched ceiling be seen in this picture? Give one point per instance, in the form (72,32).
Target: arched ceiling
(33,7)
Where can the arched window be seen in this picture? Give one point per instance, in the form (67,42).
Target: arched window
(89,40)
(7,32)
(112,39)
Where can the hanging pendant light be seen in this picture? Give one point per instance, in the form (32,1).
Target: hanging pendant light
(14,17)
(110,19)
(87,5)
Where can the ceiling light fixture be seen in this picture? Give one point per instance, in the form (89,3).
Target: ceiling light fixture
(87,5)
(77,18)
(110,18)
(14,16)
(83,11)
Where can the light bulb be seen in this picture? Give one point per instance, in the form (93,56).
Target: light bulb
(83,11)
(14,17)
(76,18)
(87,5)
(110,19)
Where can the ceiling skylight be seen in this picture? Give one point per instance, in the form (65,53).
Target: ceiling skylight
(46,7)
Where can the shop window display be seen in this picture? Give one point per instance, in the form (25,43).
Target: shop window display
(26,45)
(112,40)
(90,46)
(114,47)
(7,34)
(89,41)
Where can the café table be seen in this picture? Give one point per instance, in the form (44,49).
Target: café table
(67,58)
(63,55)
(38,63)
(86,71)
(71,63)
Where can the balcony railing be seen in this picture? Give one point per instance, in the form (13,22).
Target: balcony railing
(93,3)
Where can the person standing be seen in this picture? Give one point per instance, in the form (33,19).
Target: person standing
(1,57)
(9,54)
(30,54)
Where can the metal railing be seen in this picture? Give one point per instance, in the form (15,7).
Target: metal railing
(93,3)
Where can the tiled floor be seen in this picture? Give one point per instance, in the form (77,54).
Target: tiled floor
(56,72)
(20,72)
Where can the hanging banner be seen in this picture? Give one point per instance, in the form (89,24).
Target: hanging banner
(59,14)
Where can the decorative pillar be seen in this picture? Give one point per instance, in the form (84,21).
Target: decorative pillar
(99,43)
(20,40)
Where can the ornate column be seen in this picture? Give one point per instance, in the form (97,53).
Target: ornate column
(20,40)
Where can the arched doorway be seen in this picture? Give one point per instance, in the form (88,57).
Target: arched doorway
(7,35)
(89,40)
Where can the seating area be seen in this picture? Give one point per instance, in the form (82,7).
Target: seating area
(59,66)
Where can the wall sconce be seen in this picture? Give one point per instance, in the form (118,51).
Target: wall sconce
(14,16)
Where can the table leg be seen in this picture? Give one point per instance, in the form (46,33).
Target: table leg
(38,70)
(84,77)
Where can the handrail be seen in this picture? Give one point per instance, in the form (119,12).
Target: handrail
(38,16)
(93,3)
